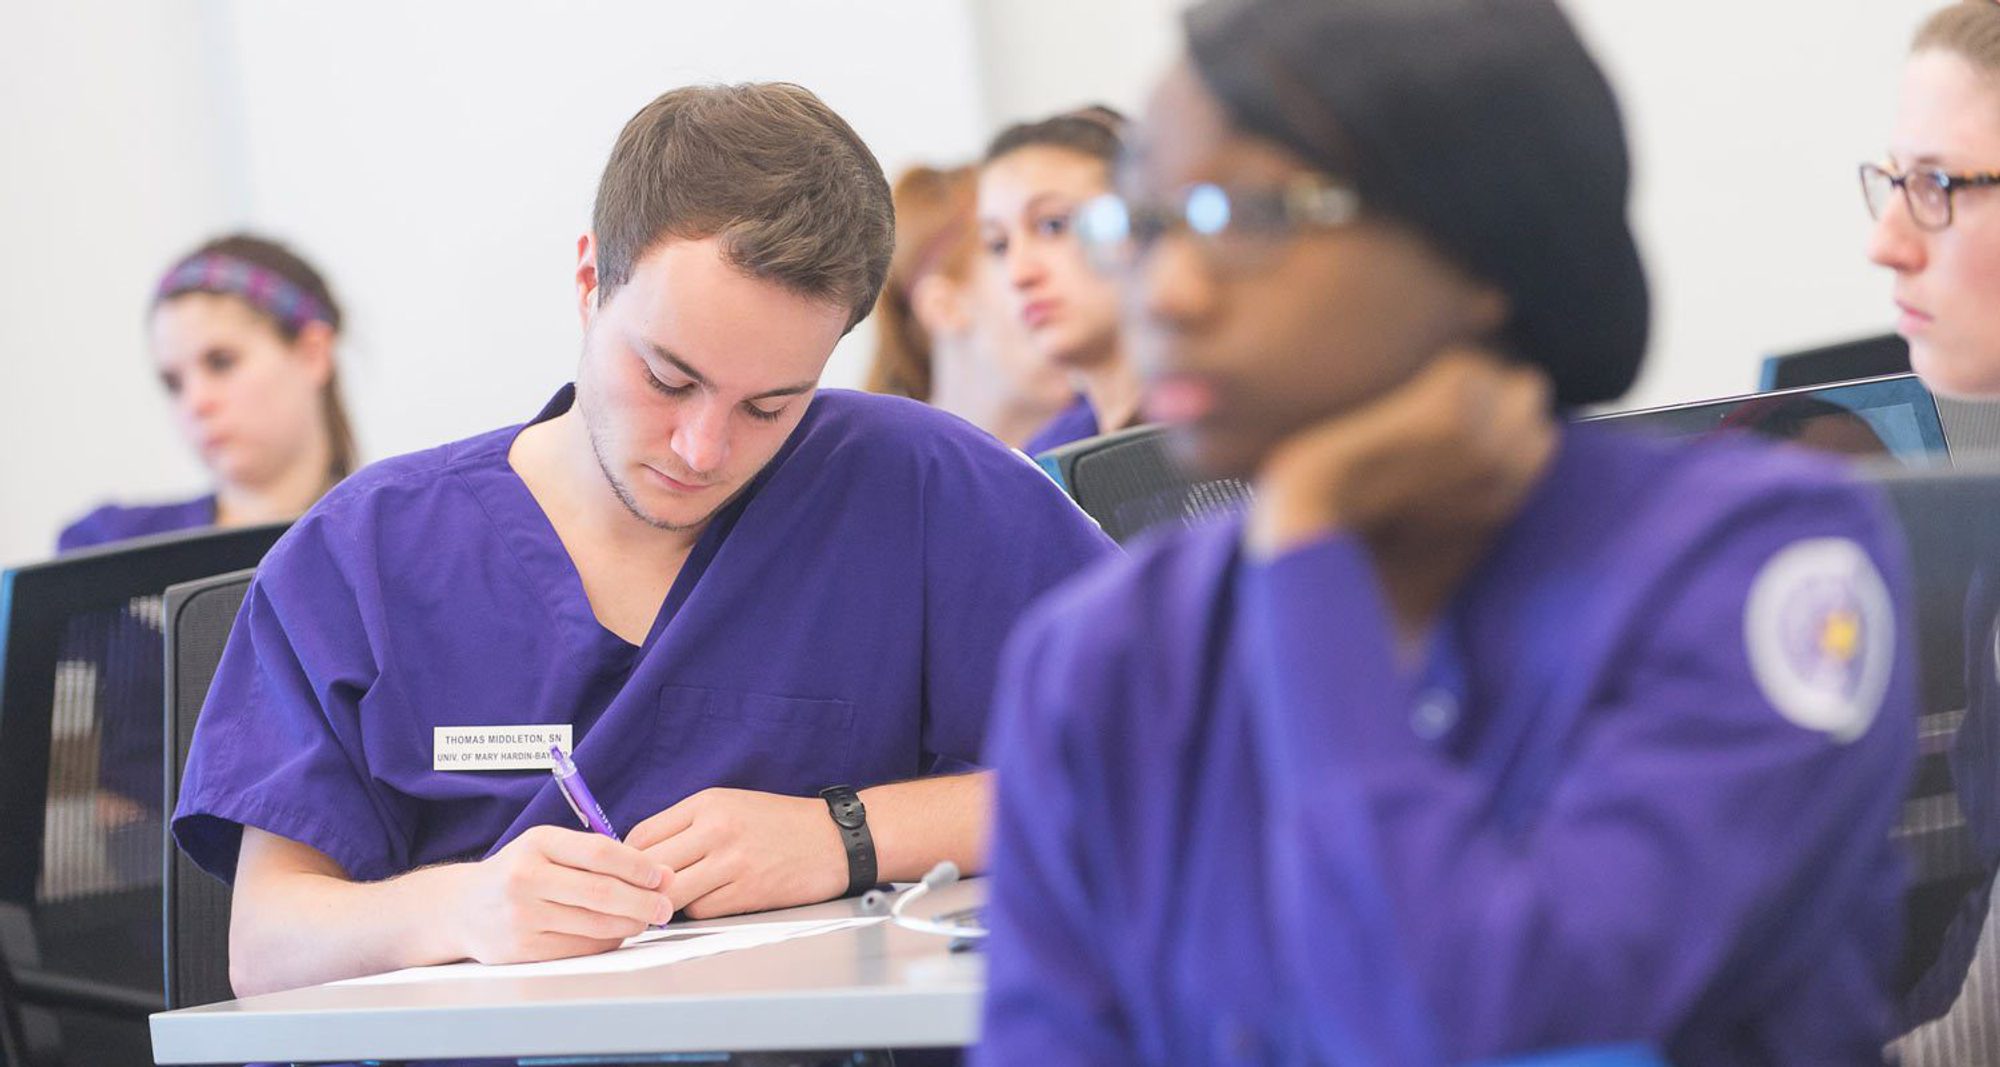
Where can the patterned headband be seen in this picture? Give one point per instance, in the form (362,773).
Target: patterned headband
(213,272)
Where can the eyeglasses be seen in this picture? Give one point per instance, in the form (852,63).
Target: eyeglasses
(1927,193)
(1236,230)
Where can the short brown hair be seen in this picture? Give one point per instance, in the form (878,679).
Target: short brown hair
(786,183)
(1971,29)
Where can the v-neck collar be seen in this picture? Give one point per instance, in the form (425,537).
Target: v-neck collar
(525,527)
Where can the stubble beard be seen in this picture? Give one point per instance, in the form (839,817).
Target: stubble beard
(622,489)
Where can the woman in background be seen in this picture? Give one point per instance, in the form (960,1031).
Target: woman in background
(944,333)
(1937,227)
(1035,176)
(1941,236)
(242,333)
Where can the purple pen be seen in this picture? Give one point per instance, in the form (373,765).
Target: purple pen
(578,794)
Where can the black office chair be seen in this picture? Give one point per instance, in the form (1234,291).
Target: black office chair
(1129,483)
(1866,357)
(80,755)
(23,1043)
(198,619)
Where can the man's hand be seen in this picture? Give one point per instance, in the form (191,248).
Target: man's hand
(1449,455)
(734,850)
(553,893)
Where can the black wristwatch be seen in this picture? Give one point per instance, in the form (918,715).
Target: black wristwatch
(852,817)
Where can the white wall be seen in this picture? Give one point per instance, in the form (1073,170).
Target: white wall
(438,160)
(111,156)
(1746,122)
(441,174)
(1042,56)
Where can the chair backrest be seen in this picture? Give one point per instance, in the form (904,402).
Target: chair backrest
(198,620)
(1865,357)
(1971,426)
(1129,483)
(81,674)
(1951,817)
(14,1049)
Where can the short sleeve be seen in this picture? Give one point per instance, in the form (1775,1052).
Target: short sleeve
(279,742)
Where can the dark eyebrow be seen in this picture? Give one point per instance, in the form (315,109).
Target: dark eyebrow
(675,361)
(1040,201)
(679,364)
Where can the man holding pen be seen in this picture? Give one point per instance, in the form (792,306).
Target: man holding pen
(764,620)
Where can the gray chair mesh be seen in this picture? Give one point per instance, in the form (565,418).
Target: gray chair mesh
(1129,484)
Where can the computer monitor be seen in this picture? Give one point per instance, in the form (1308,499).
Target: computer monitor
(1893,417)
(82,764)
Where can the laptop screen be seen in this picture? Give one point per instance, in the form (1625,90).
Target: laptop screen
(1893,416)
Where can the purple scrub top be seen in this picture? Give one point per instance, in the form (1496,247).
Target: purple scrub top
(1638,786)
(839,623)
(114,523)
(1073,423)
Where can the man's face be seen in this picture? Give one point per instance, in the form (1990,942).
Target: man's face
(693,375)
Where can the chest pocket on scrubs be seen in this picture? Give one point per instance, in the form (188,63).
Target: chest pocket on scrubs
(772,744)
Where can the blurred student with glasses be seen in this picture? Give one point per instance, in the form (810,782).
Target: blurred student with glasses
(1482,732)
(1035,176)
(1937,227)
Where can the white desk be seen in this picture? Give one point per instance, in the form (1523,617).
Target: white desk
(878,986)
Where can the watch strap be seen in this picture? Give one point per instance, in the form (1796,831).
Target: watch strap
(850,817)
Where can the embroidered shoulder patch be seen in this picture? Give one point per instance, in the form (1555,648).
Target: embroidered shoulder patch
(1821,634)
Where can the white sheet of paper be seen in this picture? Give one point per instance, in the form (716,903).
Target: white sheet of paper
(654,948)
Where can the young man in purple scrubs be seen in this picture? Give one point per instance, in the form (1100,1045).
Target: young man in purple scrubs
(722,590)
(1482,733)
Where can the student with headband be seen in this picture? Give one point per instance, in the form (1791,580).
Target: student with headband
(1483,732)
(243,332)
(944,331)
(1035,176)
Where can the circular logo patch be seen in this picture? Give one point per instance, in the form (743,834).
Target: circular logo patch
(1821,632)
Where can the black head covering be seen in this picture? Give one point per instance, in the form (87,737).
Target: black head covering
(1482,125)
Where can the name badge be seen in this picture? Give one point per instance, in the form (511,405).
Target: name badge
(496,748)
